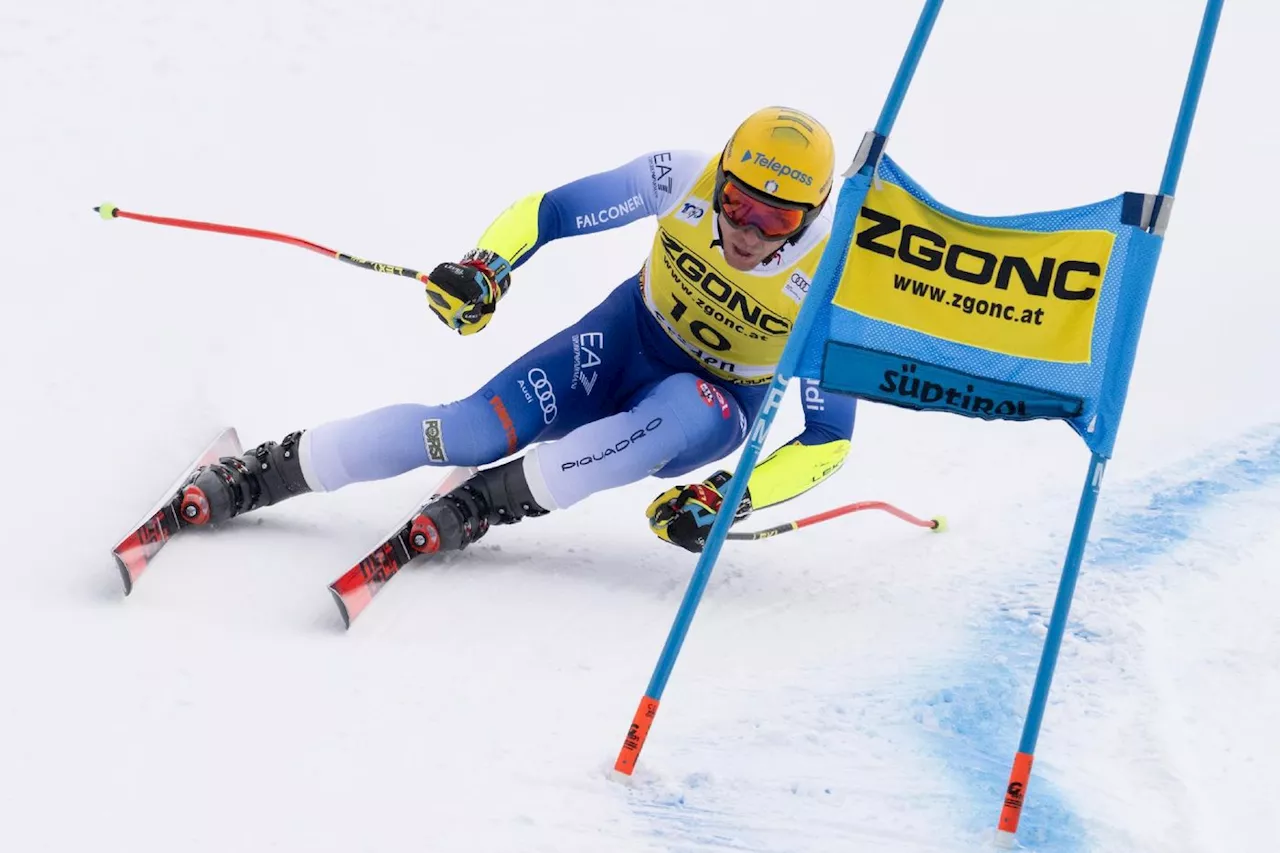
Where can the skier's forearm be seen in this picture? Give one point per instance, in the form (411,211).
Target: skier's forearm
(793,469)
(522,228)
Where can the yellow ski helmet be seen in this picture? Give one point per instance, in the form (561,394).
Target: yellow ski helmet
(782,154)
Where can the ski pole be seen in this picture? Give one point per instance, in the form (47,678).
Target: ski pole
(110,211)
(937,524)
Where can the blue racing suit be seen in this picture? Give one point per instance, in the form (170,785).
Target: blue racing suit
(635,387)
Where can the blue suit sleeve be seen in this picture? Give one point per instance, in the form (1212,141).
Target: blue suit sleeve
(828,416)
(647,186)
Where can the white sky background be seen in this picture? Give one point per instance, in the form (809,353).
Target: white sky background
(477,705)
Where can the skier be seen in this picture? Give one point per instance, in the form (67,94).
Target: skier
(660,378)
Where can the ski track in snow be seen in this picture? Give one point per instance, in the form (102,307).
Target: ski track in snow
(970,728)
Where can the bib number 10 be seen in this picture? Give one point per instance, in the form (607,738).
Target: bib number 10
(706,335)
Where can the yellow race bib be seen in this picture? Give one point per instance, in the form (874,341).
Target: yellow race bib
(735,323)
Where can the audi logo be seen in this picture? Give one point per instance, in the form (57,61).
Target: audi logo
(544,392)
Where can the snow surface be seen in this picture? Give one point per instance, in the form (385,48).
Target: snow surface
(856,686)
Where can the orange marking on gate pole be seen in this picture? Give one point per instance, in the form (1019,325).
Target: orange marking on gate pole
(1015,793)
(636,734)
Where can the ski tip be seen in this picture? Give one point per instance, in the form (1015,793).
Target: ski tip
(124,573)
(234,438)
(107,210)
(342,608)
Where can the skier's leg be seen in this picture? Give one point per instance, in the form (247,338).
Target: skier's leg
(575,376)
(579,374)
(680,423)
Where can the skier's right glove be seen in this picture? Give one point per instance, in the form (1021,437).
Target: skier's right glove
(683,515)
(464,295)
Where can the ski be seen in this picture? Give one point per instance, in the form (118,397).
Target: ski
(411,538)
(140,546)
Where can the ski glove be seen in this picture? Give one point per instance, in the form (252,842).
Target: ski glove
(464,295)
(683,515)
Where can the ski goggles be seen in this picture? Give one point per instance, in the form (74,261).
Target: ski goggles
(744,208)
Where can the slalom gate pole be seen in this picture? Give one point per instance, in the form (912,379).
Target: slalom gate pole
(852,194)
(937,524)
(110,211)
(1015,792)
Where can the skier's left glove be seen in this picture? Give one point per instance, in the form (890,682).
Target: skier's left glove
(683,515)
(464,295)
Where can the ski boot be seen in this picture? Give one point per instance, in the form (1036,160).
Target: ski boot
(449,522)
(265,475)
(493,496)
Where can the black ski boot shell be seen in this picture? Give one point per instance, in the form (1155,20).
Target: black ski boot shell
(493,496)
(264,476)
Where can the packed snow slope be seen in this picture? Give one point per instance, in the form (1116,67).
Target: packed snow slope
(856,686)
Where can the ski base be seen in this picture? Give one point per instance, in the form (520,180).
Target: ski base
(136,550)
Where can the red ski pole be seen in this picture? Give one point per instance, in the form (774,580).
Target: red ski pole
(937,524)
(110,211)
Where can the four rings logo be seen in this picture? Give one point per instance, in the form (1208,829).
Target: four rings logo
(545,393)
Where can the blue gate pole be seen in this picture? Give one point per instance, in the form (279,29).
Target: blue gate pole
(819,294)
(1015,793)
(1190,98)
